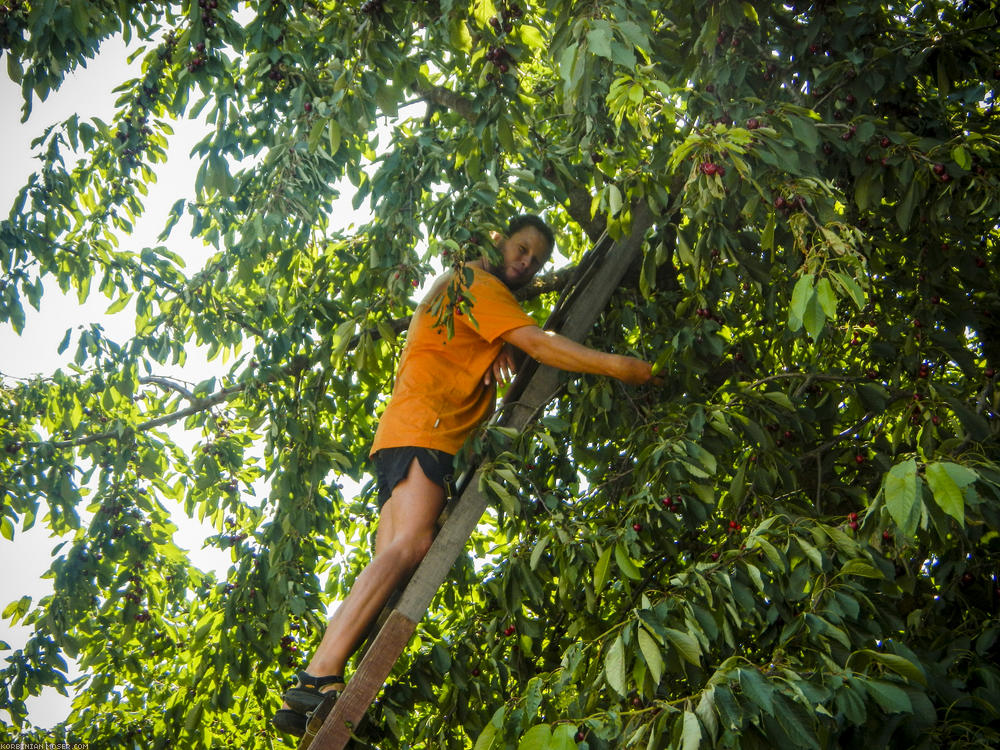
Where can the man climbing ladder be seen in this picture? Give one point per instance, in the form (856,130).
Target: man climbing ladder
(445,388)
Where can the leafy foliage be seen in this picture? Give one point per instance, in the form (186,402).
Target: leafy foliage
(792,544)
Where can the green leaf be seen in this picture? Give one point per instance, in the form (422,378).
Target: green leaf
(333,133)
(851,287)
(801,295)
(686,645)
(780,398)
(563,737)
(890,697)
(805,131)
(757,689)
(691,738)
(530,37)
(947,494)
(614,666)
(119,304)
(486,738)
(814,319)
(902,496)
(601,569)
(651,653)
(904,209)
(536,738)
(827,299)
(536,553)
(599,39)
(960,156)
(625,563)
(899,664)
(856,567)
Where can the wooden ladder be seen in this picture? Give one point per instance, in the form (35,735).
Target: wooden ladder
(598,275)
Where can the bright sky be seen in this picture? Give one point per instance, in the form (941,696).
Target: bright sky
(89,93)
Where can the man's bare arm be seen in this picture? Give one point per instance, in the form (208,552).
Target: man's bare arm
(565,354)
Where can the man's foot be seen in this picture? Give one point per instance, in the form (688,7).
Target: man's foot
(310,691)
(292,722)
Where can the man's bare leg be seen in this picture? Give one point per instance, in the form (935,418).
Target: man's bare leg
(405,533)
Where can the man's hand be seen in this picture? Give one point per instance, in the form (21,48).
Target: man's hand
(503,368)
(635,371)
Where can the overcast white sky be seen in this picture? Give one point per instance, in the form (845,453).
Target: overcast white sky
(88,92)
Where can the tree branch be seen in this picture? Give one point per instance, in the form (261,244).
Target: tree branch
(448,99)
(197,405)
(169,385)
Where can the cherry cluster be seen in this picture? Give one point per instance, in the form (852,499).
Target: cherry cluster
(198,61)
(133,130)
(710,168)
(135,590)
(505,21)
(672,503)
(852,520)
(208,12)
(289,650)
(500,58)
(234,538)
(498,55)
(789,204)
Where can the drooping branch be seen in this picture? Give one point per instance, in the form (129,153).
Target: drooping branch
(196,406)
(547,283)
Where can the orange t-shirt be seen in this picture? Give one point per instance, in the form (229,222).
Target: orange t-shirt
(439,396)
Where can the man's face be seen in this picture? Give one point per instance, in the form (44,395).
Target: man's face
(523,253)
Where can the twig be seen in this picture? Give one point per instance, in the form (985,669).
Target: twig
(169,385)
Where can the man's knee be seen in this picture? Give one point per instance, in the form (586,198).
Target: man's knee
(412,548)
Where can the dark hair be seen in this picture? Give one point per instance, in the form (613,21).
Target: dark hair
(530,220)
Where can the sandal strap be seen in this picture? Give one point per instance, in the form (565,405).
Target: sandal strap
(308,681)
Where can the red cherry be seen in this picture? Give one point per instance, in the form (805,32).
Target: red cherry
(853,525)
(637,527)
(884,141)
(886,535)
(753,123)
(939,169)
(715,556)
(475,672)
(859,459)
(990,372)
(733,524)
(307,106)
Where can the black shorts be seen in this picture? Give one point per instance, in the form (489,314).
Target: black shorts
(393,464)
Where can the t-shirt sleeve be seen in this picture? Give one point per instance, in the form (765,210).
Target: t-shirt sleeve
(495,309)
